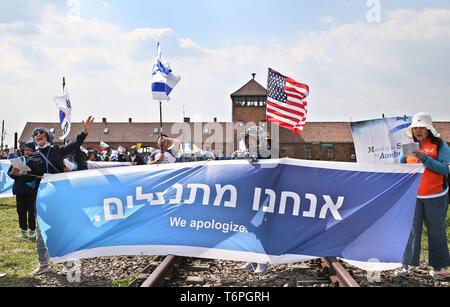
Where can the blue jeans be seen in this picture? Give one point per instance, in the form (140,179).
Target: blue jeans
(433,212)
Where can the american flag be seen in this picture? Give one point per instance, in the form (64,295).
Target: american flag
(286,105)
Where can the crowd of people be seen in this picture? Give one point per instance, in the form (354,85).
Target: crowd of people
(42,156)
(7,154)
(123,154)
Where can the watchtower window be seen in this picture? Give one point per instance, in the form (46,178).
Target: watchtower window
(250,101)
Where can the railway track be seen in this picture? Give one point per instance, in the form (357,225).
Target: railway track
(173,271)
(119,271)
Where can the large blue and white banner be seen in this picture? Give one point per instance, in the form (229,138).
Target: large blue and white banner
(380,140)
(275,211)
(6,183)
(99,164)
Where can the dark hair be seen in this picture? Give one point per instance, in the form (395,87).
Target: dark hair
(434,140)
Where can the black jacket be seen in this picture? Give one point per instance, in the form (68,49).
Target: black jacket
(21,185)
(55,154)
(136,158)
(80,158)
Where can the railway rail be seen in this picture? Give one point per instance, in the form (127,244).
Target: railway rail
(329,271)
(134,271)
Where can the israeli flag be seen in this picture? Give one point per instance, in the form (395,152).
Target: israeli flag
(163,80)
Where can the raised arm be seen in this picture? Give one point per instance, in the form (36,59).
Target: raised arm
(68,148)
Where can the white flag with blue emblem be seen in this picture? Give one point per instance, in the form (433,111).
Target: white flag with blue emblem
(163,80)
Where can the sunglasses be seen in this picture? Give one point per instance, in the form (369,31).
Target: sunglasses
(39,132)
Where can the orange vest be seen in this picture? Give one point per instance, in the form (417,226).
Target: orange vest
(431,182)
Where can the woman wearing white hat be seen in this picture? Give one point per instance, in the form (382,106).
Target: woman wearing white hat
(432,198)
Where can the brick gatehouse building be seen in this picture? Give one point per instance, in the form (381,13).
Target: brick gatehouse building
(330,141)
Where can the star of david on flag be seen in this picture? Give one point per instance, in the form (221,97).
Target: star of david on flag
(163,80)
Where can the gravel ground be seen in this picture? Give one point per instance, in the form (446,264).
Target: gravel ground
(109,271)
(95,272)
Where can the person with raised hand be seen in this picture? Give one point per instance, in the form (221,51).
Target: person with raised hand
(49,159)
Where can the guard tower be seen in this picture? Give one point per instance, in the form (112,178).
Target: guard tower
(249,105)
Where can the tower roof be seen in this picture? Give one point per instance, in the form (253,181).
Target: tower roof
(252,88)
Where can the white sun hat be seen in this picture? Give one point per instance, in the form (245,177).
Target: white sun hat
(421,120)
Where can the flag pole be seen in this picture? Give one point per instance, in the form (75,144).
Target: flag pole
(160,102)
(3,130)
(160,118)
(64,86)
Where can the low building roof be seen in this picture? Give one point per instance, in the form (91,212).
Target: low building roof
(252,88)
(324,132)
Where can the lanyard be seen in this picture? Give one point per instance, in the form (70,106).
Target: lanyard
(46,160)
(48,154)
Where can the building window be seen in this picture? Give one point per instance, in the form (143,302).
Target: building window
(156,130)
(239,101)
(106,131)
(262,101)
(206,130)
(307,153)
(251,101)
(330,153)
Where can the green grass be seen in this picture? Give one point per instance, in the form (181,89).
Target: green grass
(18,258)
(124,282)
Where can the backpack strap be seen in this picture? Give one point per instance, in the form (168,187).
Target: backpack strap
(48,162)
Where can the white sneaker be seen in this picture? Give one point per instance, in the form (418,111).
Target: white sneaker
(437,275)
(248,266)
(261,268)
(41,269)
(402,271)
(22,235)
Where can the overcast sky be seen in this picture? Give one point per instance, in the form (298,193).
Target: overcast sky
(360,58)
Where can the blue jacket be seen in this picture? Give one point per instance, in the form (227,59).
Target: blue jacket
(438,166)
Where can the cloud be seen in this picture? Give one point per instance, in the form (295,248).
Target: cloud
(326,19)
(357,70)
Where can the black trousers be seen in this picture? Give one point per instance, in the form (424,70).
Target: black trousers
(26,212)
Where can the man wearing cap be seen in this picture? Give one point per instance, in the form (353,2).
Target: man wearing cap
(432,198)
(25,196)
(255,142)
(168,150)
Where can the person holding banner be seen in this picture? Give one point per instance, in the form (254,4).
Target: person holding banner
(25,196)
(49,159)
(255,141)
(432,199)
